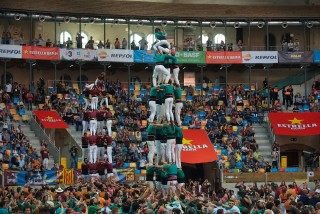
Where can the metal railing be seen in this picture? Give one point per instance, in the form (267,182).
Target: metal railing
(42,135)
(75,140)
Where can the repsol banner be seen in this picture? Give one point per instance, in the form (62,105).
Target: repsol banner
(115,55)
(11,51)
(296,57)
(259,57)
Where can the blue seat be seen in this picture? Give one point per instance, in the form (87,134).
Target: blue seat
(22,111)
(16,100)
(246,88)
(81,101)
(239,165)
(131,87)
(216,88)
(209,93)
(274,170)
(224,152)
(188,118)
(51,90)
(202,113)
(189,98)
(143,91)
(306,107)
(198,87)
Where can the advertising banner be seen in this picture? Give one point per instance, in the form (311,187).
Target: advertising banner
(115,55)
(259,57)
(191,57)
(78,54)
(196,147)
(41,53)
(316,56)
(11,51)
(20,178)
(296,57)
(50,119)
(223,57)
(295,124)
(144,56)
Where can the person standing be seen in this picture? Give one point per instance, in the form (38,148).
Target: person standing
(124,43)
(85,121)
(151,143)
(79,40)
(74,157)
(175,67)
(149,176)
(169,90)
(84,146)
(179,137)
(117,44)
(108,144)
(159,69)
(93,149)
(45,157)
(178,104)
(101,167)
(100,119)
(109,116)
(160,135)
(160,104)
(152,104)
(29,100)
(171,157)
(85,170)
(93,122)
(180,178)
(100,145)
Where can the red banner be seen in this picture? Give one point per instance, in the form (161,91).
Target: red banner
(295,124)
(50,119)
(197,147)
(41,53)
(223,57)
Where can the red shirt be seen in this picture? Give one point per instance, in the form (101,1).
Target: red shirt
(93,140)
(93,115)
(44,153)
(93,168)
(100,140)
(108,139)
(85,142)
(100,116)
(109,167)
(101,166)
(108,115)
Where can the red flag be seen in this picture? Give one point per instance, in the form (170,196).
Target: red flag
(197,147)
(295,124)
(50,119)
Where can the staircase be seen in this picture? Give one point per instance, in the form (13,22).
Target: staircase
(35,142)
(263,139)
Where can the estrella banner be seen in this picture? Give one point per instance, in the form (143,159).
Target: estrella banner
(72,54)
(316,56)
(115,55)
(296,57)
(223,57)
(20,178)
(196,147)
(191,57)
(11,51)
(295,124)
(41,53)
(259,57)
(144,56)
(50,119)
(68,176)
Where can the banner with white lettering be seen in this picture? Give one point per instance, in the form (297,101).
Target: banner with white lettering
(259,57)
(78,54)
(11,51)
(115,55)
(191,57)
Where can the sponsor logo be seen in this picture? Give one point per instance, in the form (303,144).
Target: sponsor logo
(103,54)
(247,57)
(224,57)
(122,56)
(295,56)
(188,54)
(10,51)
(297,124)
(266,57)
(188,147)
(44,53)
(51,119)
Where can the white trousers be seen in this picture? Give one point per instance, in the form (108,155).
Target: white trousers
(168,108)
(45,163)
(163,152)
(85,153)
(166,75)
(158,71)
(100,126)
(176,75)
(177,112)
(159,151)
(153,108)
(151,147)
(178,155)
(109,154)
(163,50)
(101,152)
(93,150)
(84,126)
(104,100)
(161,42)
(160,109)
(94,103)
(171,156)
(93,127)
(86,103)
(109,125)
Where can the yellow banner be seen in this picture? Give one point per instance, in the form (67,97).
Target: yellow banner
(67,176)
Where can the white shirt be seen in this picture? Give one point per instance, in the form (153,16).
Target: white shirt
(8,87)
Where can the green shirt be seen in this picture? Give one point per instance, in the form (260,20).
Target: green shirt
(180,174)
(151,130)
(171,169)
(173,60)
(178,132)
(150,170)
(161,131)
(161,58)
(153,92)
(171,132)
(160,36)
(93,209)
(178,93)
(168,89)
